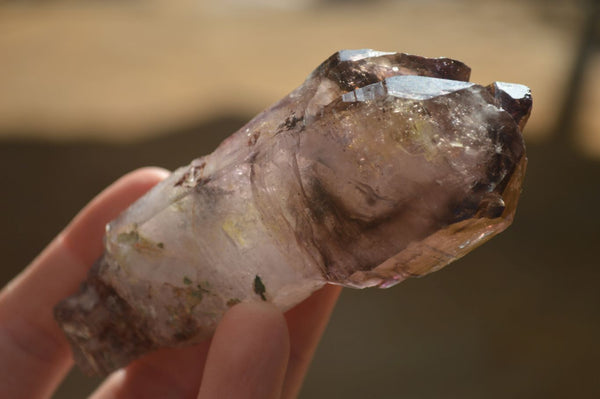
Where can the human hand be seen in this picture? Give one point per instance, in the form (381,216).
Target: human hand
(256,352)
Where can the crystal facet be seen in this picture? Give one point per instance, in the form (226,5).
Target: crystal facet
(379,167)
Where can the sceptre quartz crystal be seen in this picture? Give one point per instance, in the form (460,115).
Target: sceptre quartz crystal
(381,166)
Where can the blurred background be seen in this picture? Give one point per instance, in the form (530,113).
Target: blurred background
(90,90)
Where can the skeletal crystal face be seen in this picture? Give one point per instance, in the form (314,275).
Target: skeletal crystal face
(379,167)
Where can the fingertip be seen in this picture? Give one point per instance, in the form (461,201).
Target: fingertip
(307,322)
(248,355)
(262,322)
(83,236)
(329,293)
(265,314)
(152,173)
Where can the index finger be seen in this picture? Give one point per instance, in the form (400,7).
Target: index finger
(32,346)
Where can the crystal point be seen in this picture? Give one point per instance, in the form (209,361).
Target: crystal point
(379,167)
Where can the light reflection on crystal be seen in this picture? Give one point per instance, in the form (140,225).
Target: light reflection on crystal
(515,90)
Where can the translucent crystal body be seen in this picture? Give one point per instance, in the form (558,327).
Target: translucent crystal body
(379,167)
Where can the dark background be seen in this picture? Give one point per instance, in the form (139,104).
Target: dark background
(517,318)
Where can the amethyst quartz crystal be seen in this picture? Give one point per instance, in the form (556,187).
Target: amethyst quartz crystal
(381,166)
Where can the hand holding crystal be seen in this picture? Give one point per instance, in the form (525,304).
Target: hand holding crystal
(380,167)
(256,351)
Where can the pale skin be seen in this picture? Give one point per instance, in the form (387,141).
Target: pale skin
(256,353)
